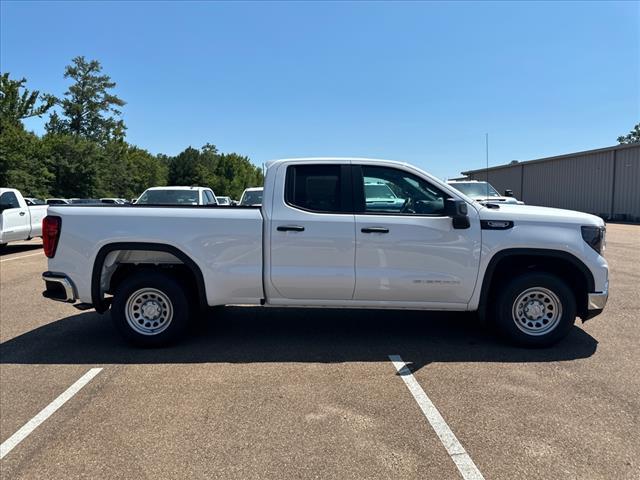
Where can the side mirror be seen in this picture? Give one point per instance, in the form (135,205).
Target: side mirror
(457,210)
(508,193)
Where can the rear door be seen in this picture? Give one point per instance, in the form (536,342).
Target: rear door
(15,218)
(311,230)
(407,250)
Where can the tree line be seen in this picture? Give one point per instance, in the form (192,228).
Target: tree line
(84,152)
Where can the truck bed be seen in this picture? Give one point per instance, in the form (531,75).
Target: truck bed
(224,242)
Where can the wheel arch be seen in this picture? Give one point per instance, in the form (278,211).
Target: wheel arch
(97,295)
(561,263)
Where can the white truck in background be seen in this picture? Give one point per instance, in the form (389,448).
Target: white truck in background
(483,192)
(19,221)
(322,238)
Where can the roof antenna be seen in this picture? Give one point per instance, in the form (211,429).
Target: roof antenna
(486,142)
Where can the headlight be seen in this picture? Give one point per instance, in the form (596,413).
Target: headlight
(594,236)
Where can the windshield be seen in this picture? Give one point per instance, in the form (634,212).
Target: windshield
(169,197)
(223,200)
(253,197)
(476,189)
(380,190)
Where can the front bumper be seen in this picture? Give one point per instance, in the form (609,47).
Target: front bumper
(596,303)
(59,287)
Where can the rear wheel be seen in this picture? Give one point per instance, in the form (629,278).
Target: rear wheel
(535,309)
(150,309)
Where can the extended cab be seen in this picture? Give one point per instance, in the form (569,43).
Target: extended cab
(318,240)
(18,220)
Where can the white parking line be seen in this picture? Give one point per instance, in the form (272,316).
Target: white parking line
(22,256)
(456,451)
(46,412)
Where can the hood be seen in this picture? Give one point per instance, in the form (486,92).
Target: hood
(529,213)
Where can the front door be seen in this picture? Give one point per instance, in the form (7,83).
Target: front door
(312,239)
(406,248)
(15,219)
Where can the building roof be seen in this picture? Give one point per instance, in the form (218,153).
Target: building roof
(514,163)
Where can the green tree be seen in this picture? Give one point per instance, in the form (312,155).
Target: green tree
(74,161)
(632,137)
(145,170)
(22,164)
(112,169)
(184,168)
(89,109)
(226,173)
(234,173)
(18,103)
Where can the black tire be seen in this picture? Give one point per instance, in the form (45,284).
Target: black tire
(537,324)
(162,291)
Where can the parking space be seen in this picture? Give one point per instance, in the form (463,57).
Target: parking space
(290,393)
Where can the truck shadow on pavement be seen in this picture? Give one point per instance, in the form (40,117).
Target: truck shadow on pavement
(19,248)
(255,335)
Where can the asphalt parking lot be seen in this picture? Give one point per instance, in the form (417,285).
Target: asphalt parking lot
(290,393)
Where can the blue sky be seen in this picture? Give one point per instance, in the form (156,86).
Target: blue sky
(420,82)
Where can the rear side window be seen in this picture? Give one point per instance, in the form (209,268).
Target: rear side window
(9,200)
(318,188)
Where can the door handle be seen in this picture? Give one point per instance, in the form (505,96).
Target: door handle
(22,214)
(290,228)
(375,230)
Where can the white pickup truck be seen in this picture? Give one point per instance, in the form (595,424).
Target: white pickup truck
(319,241)
(19,221)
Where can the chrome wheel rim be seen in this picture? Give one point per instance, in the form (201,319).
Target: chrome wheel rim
(537,311)
(149,311)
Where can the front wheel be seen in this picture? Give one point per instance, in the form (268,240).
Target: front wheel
(535,309)
(150,309)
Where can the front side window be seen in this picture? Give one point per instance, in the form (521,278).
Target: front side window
(210,199)
(393,191)
(317,188)
(9,200)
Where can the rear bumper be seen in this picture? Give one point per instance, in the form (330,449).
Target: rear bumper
(59,287)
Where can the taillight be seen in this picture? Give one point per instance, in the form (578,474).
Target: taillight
(50,234)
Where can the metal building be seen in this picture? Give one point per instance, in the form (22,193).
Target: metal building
(605,182)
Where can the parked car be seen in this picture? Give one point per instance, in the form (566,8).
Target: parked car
(483,192)
(314,242)
(226,201)
(116,201)
(34,201)
(57,201)
(19,221)
(251,197)
(177,196)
